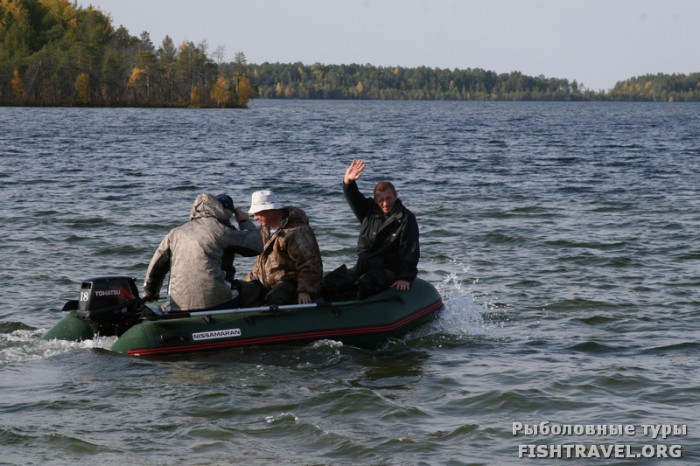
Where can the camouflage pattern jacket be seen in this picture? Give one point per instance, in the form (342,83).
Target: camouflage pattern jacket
(290,252)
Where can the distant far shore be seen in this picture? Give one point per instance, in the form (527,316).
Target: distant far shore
(68,56)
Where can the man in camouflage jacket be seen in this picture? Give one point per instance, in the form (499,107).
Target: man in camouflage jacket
(289,269)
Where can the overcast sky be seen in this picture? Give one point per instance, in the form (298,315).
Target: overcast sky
(596,42)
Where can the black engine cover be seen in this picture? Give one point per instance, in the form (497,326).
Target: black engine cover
(110,304)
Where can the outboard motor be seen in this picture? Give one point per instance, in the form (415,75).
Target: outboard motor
(110,304)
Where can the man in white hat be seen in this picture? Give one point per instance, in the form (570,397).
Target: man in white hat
(289,268)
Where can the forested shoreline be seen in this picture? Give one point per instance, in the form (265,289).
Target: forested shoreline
(320,81)
(55,53)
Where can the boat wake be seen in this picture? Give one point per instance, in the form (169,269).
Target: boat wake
(463,318)
(26,344)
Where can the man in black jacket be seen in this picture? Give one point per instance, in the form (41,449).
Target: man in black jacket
(388,247)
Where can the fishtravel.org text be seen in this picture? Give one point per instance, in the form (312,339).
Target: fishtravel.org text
(621,450)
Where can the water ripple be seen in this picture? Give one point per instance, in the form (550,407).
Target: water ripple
(562,237)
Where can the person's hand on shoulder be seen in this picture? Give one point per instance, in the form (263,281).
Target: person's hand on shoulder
(241,215)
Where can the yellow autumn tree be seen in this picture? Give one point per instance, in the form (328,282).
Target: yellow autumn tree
(278,89)
(135,77)
(360,88)
(82,88)
(219,91)
(194,96)
(245,91)
(135,82)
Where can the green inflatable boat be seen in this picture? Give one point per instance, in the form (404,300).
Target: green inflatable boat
(110,306)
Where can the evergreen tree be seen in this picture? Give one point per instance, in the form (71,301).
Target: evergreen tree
(53,52)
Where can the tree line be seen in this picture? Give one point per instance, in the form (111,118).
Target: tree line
(659,87)
(320,81)
(53,52)
(354,81)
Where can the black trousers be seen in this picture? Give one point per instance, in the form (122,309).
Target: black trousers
(342,282)
(253,293)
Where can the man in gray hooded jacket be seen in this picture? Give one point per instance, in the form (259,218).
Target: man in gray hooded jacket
(193,254)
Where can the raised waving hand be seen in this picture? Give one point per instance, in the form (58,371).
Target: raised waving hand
(354,171)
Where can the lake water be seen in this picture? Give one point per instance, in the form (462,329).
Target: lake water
(563,237)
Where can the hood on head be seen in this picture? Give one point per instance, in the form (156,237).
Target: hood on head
(206,205)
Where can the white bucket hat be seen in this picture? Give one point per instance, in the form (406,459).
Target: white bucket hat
(263,200)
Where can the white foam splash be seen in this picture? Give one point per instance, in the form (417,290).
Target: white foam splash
(462,315)
(282,417)
(27,345)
